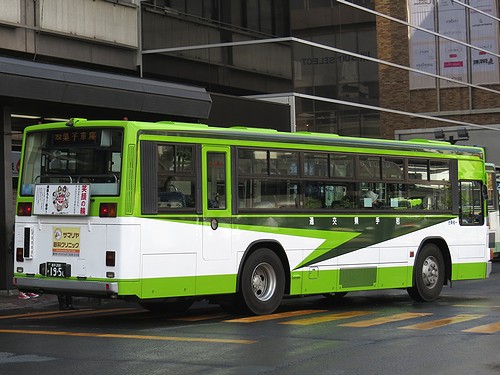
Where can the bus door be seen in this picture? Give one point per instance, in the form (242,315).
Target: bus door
(216,194)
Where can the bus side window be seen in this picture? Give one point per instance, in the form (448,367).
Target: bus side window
(216,180)
(471,203)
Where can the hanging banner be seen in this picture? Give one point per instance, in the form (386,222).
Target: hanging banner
(454,60)
(422,45)
(484,34)
(453,56)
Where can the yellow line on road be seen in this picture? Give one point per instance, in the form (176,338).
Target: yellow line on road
(262,318)
(385,319)
(487,328)
(327,318)
(35,314)
(82,312)
(443,322)
(123,336)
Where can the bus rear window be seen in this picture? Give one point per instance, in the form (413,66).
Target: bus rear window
(73,156)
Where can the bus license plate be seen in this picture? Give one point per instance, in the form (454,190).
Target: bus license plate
(56,269)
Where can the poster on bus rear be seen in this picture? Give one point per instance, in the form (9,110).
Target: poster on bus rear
(61,199)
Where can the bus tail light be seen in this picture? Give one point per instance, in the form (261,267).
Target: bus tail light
(107,210)
(24,209)
(19,254)
(110,258)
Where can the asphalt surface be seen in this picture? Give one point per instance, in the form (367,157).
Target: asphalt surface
(9,299)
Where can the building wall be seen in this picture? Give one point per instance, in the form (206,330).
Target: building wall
(238,70)
(85,32)
(454,103)
(334,75)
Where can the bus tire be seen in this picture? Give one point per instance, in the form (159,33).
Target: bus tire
(262,282)
(428,274)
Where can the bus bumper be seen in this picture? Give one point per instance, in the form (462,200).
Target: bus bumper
(74,287)
(488,268)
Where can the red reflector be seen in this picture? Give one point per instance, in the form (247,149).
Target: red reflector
(24,209)
(107,210)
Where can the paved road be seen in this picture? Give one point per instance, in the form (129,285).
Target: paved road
(365,333)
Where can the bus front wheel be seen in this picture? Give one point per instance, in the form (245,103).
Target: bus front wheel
(428,274)
(262,282)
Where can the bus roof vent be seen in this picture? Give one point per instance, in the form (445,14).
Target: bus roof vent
(72,122)
(431,141)
(257,130)
(316,134)
(183,124)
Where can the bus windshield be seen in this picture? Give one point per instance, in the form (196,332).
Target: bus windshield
(73,156)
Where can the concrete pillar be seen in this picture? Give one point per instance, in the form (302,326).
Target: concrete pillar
(6,206)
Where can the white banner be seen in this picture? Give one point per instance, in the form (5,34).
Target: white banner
(454,61)
(484,34)
(453,56)
(61,199)
(422,45)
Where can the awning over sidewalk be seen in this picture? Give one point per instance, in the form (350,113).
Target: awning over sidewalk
(25,85)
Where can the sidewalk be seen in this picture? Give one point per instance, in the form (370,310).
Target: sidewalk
(9,300)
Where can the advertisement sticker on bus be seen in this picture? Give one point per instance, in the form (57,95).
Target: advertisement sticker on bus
(66,241)
(62,199)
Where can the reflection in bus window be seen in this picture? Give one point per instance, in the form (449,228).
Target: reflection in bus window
(90,156)
(471,203)
(176,180)
(216,180)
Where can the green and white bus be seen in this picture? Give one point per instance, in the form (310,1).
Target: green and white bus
(166,213)
(493,211)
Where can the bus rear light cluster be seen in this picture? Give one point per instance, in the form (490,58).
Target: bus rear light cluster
(24,209)
(107,210)
(110,258)
(19,254)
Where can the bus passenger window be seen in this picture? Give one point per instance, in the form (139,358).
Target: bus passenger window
(176,179)
(471,203)
(216,180)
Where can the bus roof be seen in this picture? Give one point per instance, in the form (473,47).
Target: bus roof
(270,135)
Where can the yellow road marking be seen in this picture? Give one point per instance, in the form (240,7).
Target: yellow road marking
(383,320)
(487,328)
(492,306)
(34,314)
(81,312)
(262,318)
(327,318)
(443,322)
(123,336)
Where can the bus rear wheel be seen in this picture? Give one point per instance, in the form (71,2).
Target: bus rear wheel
(262,282)
(428,274)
